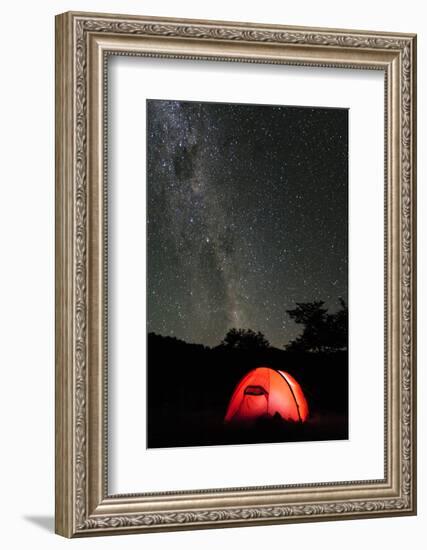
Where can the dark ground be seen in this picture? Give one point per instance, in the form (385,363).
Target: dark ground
(190,386)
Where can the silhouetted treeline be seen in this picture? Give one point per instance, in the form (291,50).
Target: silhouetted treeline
(322,331)
(245,339)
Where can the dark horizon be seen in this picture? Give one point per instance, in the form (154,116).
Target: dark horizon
(220,342)
(246,215)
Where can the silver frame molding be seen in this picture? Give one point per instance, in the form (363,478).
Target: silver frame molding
(83,43)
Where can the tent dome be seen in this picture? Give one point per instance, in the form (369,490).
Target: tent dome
(267,392)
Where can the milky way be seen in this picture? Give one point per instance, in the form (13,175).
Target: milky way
(246,215)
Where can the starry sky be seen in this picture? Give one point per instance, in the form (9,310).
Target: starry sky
(247,214)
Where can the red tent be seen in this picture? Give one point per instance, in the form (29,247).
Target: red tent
(265,392)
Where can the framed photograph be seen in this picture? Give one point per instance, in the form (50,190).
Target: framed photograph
(235,274)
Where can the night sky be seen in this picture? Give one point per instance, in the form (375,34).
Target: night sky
(247,214)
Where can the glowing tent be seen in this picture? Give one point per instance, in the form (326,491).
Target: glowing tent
(266,392)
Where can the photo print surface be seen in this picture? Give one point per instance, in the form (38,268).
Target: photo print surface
(247,273)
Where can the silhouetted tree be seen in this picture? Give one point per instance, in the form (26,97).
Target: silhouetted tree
(245,339)
(338,327)
(323,331)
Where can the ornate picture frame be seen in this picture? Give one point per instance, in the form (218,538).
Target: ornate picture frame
(84,42)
